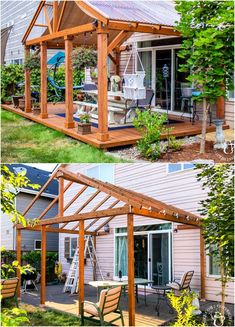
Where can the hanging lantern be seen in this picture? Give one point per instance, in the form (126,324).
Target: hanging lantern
(134,83)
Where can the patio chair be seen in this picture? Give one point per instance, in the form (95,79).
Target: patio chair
(139,104)
(60,90)
(9,288)
(184,283)
(108,303)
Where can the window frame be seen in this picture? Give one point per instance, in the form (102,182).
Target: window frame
(90,189)
(70,246)
(181,168)
(35,248)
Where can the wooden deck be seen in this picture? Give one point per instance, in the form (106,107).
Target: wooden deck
(120,137)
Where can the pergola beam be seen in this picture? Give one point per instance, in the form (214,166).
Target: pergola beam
(117,41)
(61,16)
(60,34)
(153,214)
(142,28)
(91,11)
(52,230)
(86,216)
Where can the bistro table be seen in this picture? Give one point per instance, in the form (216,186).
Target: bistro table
(161,291)
(100,284)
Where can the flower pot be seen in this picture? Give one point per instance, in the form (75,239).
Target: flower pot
(80,96)
(15,99)
(8,102)
(84,128)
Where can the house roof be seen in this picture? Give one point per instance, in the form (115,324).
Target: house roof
(148,12)
(160,14)
(36,176)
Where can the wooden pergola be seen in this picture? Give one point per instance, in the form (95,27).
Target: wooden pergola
(90,217)
(70,21)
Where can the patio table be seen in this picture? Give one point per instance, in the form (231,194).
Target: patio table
(100,284)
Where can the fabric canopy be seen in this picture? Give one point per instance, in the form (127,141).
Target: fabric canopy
(5,32)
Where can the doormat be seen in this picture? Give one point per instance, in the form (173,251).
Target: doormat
(111,128)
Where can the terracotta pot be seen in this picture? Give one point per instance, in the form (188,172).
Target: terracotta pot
(80,96)
(84,128)
(8,102)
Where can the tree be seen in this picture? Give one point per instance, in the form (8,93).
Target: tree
(218,222)
(10,184)
(208,49)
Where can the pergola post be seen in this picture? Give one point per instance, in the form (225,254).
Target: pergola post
(102,46)
(94,266)
(43,90)
(43,265)
(27,92)
(61,197)
(131,269)
(69,122)
(18,258)
(81,265)
(202,265)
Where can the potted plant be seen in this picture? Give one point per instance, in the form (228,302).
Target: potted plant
(84,125)
(22,103)
(32,61)
(84,57)
(36,108)
(7,100)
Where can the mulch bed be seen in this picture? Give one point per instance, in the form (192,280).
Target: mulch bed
(190,152)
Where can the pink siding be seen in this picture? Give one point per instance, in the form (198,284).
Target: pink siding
(180,189)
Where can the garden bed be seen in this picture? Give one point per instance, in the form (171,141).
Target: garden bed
(190,151)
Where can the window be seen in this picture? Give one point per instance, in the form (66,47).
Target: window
(213,266)
(103,172)
(73,246)
(37,244)
(171,168)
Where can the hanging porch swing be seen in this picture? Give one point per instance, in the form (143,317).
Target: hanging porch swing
(134,88)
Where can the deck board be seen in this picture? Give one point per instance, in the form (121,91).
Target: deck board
(120,137)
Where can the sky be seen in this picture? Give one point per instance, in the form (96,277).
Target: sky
(46,166)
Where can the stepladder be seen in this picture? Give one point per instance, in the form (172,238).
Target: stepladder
(71,284)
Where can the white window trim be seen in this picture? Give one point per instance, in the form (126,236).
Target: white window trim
(70,247)
(178,171)
(90,189)
(35,245)
(208,268)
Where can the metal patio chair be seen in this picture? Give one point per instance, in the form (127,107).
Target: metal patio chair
(108,303)
(184,283)
(139,104)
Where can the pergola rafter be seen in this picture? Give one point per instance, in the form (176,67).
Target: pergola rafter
(130,203)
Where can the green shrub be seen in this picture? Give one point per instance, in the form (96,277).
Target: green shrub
(11,75)
(151,126)
(34,258)
(14,317)
(84,57)
(32,61)
(184,308)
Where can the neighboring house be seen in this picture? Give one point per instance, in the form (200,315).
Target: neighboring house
(31,240)
(177,248)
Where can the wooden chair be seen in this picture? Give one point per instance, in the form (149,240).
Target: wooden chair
(9,288)
(108,303)
(184,283)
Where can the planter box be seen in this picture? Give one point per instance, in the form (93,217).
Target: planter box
(84,128)
(22,103)
(15,99)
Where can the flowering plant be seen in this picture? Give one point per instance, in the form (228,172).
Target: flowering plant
(115,79)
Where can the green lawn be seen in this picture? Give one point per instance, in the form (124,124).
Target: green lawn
(25,141)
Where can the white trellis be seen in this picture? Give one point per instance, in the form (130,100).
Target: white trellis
(134,88)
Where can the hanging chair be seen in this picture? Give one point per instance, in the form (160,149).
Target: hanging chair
(134,88)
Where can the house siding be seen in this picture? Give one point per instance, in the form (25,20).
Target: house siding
(28,237)
(180,189)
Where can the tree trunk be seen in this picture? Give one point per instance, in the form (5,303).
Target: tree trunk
(204,123)
(223,285)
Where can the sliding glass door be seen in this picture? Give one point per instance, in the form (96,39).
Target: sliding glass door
(160,263)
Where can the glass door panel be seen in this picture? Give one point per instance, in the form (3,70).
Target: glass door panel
(141,256)
(146,59)
(180,80)
(160,258)
(163,57)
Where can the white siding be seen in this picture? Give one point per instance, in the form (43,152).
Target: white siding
(7,237)
(229,113)
(180,189)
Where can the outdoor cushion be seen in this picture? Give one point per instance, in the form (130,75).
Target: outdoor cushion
(90,308)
